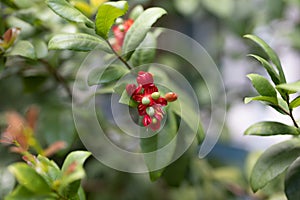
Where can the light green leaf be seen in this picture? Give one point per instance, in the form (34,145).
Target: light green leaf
(292,181)
(68,12)
(262,85)
(41,48)
(290,87)
(274,161)
(271,54)
(139,29)
(107,14)
(135,12)
(145,53)
(76,156)
(111,73)
(271,100)
(273,74)
(51,172)
(271,128)
(22,193)
(78,42)
(126,99)
(23,48)
(295,103)
(29,178)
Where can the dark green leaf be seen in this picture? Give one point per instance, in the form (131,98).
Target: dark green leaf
(22,193)
(262,85)
(68,12)
(271,54)
(290,87)
(111,73)
(271,100)
(273,74)
(136,11)
(23,48)
(139,29)
(78,42)
(271,128)
(145,53)
(29,178)
(295,103)
(107,14)
(274,161)
(292,181)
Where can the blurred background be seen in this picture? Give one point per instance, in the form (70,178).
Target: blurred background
(219,26)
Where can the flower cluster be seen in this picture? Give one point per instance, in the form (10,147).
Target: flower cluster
(120,31)
(150,102)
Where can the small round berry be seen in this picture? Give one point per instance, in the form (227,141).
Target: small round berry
(171,96)
(155,95)
(119,21)
(121,27)
(145,101)
(154,121)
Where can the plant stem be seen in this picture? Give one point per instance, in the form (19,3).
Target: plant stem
(119,57)
(293,119)
(58,77)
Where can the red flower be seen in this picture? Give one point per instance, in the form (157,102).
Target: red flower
(120,32)
(149,101)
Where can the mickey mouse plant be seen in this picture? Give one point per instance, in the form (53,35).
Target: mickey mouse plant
(129,43)
(281,158)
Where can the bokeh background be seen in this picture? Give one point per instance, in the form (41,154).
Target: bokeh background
(219,26)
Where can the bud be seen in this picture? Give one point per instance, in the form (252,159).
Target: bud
(155,95)
(121,27)
(150,111)
(144,78)
(171,96)
(130,88)
(119,21)
(10,36)
(145,101)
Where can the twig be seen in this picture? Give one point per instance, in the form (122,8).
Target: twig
(58,77)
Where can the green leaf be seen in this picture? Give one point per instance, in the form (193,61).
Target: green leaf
(125,99)
(271,128)
(23,48)
(271,54)
(271,100)
(145,53)
(110,74)
(274,161)
(262,85)
(135,12)
(73,172)
(78,42)
(295,103)
(68,12)
(107,14)
(273,74)
(41,48)
(292,181)
(29,178)
(22,193)
(290,87)
(151,147)
(51,171)
(139,29)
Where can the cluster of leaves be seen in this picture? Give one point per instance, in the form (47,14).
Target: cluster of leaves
(283,157)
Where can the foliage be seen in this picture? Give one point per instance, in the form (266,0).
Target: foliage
(282,157)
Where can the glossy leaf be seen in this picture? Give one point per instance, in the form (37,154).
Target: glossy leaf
(271,128)
(262,85)
(23,48)
(139,29)
(145,53)
(111,73)
(136,11)
(295,103)
(274,161)
(273,74)
(76,156)
(107,14)
(290,87)
(29,178)
(68,12)
(292,181)
(51,172)
(271,100)
(271,54)
(78,42)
